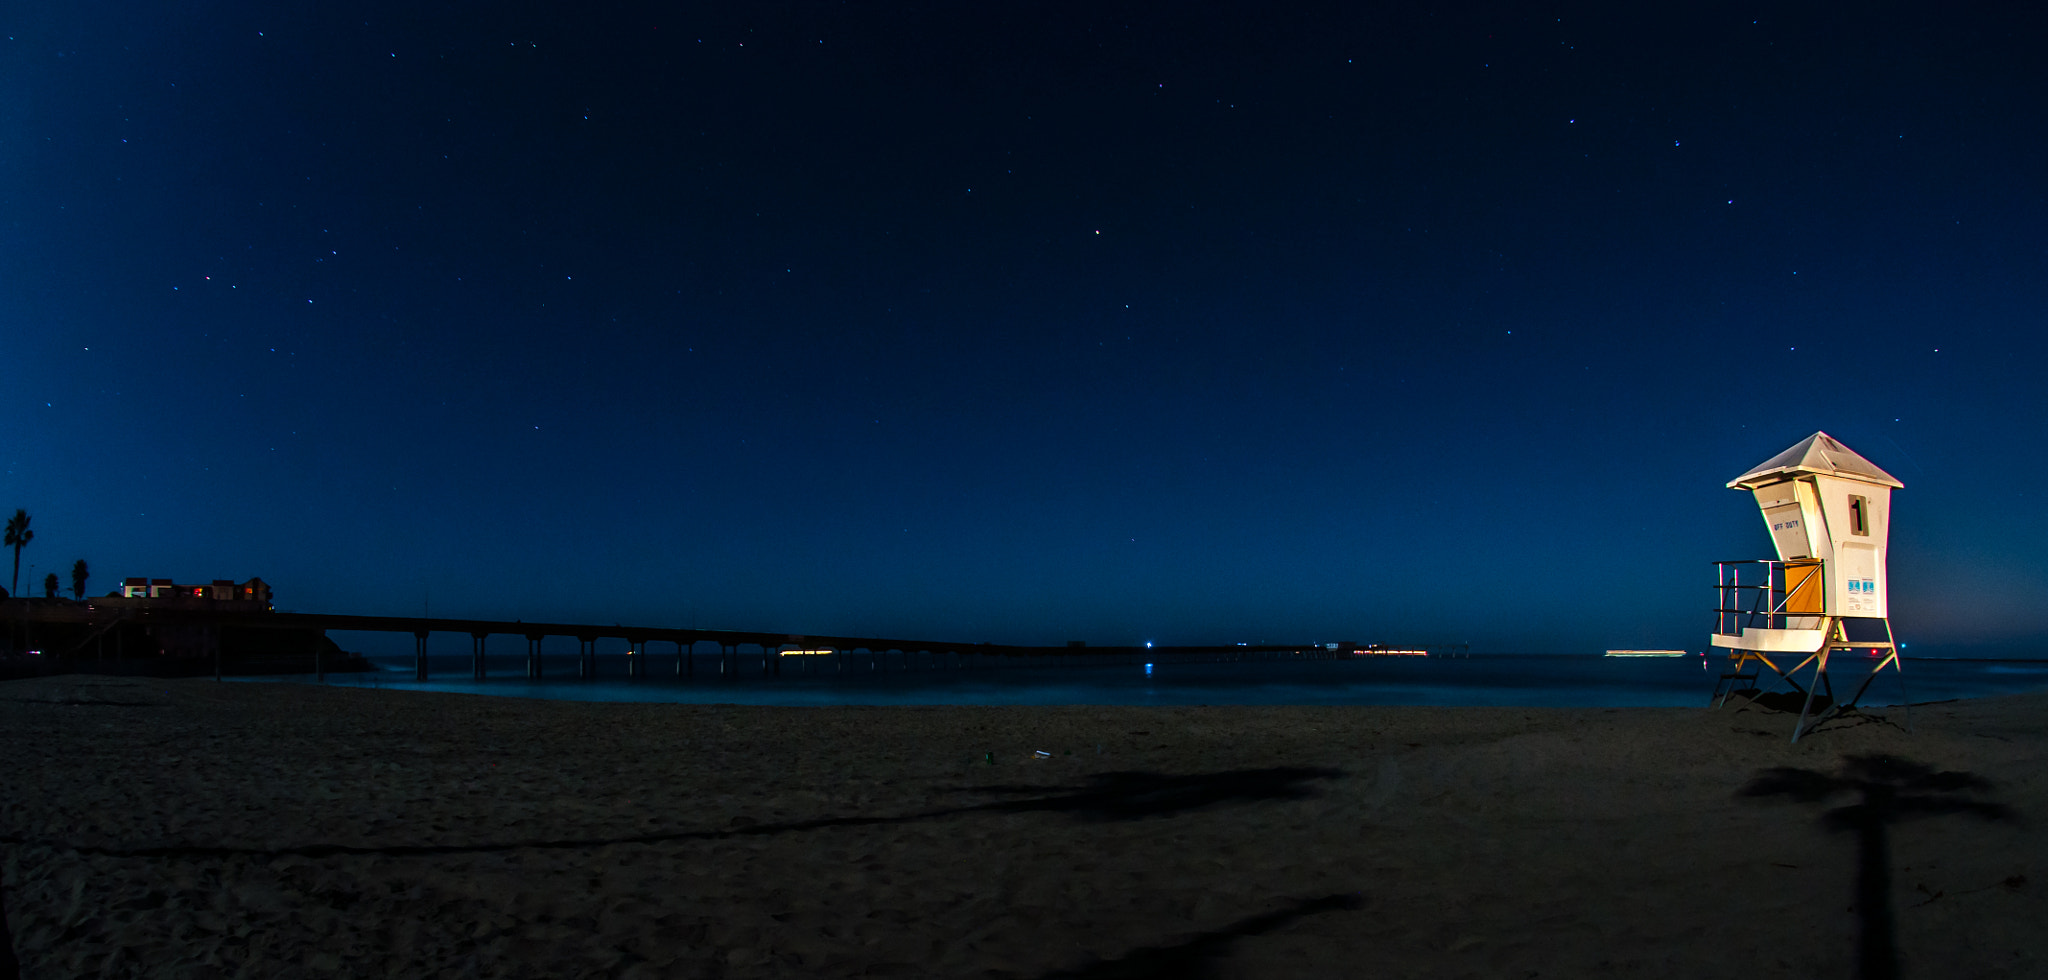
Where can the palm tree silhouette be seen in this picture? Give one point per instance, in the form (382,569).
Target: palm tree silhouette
(50,586)
(1893,789)
(18,536)
(79,573)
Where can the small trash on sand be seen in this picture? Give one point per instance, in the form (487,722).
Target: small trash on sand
(990,757)
(1043,754)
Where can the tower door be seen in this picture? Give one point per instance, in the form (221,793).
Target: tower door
(1805,588)
(1861,587)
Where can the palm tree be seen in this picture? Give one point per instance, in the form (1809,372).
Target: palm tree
(79,573)
(50,586)
(18,536)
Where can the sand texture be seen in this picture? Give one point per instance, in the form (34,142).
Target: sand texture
(195,829)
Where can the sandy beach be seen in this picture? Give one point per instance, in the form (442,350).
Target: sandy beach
(197,829)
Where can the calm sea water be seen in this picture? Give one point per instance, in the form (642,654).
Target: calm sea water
(1506,680)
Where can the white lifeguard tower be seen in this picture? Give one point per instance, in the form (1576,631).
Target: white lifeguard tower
(1829,514)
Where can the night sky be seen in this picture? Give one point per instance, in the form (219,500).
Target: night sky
(1024,322)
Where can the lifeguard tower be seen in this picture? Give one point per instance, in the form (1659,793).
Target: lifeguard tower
(1829,514)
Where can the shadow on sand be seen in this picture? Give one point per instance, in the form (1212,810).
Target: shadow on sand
(1195,958)
(1103,796)
(10,968)
(1136,795)
(1787,702)
(1890,790)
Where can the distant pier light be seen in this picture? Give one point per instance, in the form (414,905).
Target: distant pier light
(1828,512)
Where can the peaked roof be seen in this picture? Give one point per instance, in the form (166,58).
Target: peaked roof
(1818,453)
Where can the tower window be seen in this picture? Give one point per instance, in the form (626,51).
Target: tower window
(1859,515)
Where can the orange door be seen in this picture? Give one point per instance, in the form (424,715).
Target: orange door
(1805,592)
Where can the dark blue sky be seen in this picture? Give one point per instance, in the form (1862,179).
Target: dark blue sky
(1099,321)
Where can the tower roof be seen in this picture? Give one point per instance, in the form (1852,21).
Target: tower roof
(1818,453)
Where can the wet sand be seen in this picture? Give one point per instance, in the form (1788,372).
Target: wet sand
(195,829)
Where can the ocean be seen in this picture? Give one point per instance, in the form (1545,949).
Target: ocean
(1519,680)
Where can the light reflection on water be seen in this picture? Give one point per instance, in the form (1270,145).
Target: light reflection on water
(2034,668)
(1500,680)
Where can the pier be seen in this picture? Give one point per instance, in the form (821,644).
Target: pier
(755,652)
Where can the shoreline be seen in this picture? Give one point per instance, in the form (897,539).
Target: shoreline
(295,830)
(1557,681)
